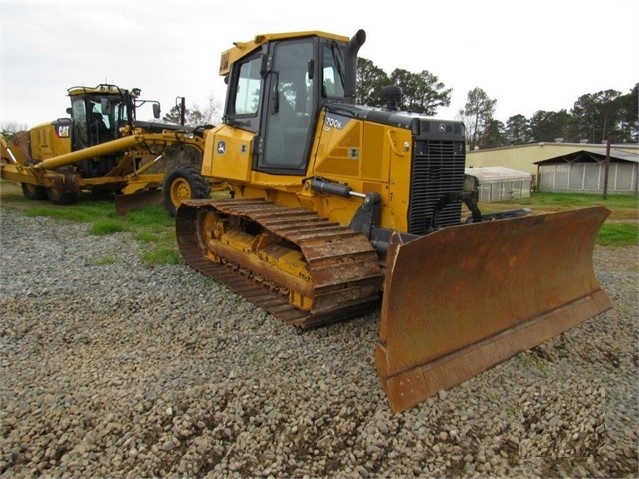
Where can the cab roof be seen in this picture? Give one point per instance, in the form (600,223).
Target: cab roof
(241,49)
(100,89)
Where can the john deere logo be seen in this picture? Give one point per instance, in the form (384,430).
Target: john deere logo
(442,127)
(221,147)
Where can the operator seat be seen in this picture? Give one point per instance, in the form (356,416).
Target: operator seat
(104,133)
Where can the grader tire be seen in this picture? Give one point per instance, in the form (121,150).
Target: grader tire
(59,196)
(34,192)
(183,182)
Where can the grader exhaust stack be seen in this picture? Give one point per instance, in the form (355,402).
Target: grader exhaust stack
(466,298)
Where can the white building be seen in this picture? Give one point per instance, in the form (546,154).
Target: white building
(498,183)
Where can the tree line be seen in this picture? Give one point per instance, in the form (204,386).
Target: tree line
(594,117)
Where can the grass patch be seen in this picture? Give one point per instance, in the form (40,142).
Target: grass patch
(104,261)
(69,213)
(256,357)
(620,228)
(147,237)
(153,217)
(574,200)
(149,224)
(618,234)
(161,255)
(106,226)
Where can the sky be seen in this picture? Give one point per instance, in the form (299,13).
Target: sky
(527,55)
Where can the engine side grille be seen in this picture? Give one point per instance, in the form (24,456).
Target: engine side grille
(438,169)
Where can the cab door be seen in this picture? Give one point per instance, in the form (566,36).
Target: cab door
(290,107)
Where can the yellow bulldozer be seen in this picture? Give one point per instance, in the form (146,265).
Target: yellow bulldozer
(334,205)
(102,147)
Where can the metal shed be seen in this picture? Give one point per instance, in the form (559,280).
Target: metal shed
(497,183)
(584,171)
(524,157)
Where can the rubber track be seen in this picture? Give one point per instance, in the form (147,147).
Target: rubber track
(339,259)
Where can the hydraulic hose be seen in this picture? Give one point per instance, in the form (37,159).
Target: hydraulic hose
(466,198)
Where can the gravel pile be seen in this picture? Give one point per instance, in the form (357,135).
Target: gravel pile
(112,368)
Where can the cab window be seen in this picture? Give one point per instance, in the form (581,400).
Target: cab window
(332,71)
(249,86)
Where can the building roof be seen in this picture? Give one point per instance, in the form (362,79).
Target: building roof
(591,154)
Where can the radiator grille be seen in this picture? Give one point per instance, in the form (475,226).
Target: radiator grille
(438,169)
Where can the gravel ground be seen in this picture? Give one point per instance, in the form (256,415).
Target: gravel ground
(111,368)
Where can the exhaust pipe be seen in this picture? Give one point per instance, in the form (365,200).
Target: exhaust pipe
(350,74)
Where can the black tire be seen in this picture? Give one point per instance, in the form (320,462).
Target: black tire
(34,192)
(59,196)
(183,182)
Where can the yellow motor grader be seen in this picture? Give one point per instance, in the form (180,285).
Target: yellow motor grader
(103,147)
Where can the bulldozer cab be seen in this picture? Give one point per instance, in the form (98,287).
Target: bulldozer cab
(276,93)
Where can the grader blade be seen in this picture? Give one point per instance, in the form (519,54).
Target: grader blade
(463,299)
(131,201)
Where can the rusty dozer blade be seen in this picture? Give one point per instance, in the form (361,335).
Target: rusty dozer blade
(465,298)
(131,201)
